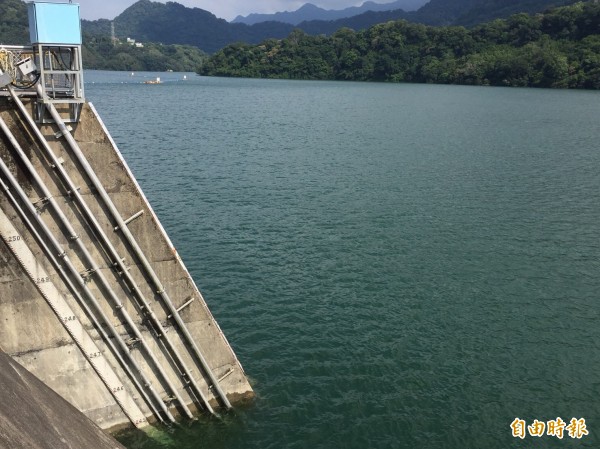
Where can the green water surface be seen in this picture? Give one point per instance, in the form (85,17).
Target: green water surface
(396,266)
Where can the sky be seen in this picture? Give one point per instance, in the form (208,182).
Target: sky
(225,9)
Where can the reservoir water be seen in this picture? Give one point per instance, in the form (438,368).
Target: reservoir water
(396,265)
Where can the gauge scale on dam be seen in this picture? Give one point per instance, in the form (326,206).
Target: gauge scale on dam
(94,298)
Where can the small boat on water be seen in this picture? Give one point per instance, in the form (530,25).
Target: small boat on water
(156,81)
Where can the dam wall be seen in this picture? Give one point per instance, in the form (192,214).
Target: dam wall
(94,299)
(33,416)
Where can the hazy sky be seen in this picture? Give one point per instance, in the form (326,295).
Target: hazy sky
(225,9)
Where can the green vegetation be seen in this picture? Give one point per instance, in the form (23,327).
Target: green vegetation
(100,53)
(473,12)
(172,23)
(13,22)
(560,48)
(437,12)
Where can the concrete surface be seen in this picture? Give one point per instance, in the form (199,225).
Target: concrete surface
(31,332)
(32,416)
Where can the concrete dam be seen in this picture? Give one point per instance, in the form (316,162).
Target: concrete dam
(33,416)
(94,299)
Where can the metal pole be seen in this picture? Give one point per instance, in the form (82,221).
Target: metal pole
(118,261)
(92,265)
(61,253)
(144,304)
(83,336)
(137,250)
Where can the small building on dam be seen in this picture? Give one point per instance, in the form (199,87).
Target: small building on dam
(94,299)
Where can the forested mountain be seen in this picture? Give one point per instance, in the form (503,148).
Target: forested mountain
(439,13)
(472,12)
(560,48)
(99,52)
(13,14)
(172,23)
(308,12)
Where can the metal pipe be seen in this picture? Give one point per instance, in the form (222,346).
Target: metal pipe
(138,252)
(92,266)
(92,317)
(159,226)
(183,306)
(62,218)
(145,306)
(133,217)
(57,247)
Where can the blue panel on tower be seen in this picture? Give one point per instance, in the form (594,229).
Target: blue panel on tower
(54,23)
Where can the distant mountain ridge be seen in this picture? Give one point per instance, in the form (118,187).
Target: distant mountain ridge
(308,12)
(172,23)
(472,12)
(556,48)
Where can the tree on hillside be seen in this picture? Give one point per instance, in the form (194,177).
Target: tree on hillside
(560,48)
(13,23)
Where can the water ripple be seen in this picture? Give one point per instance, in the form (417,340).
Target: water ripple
(395,265)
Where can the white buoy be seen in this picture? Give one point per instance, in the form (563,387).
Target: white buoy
(184,77)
